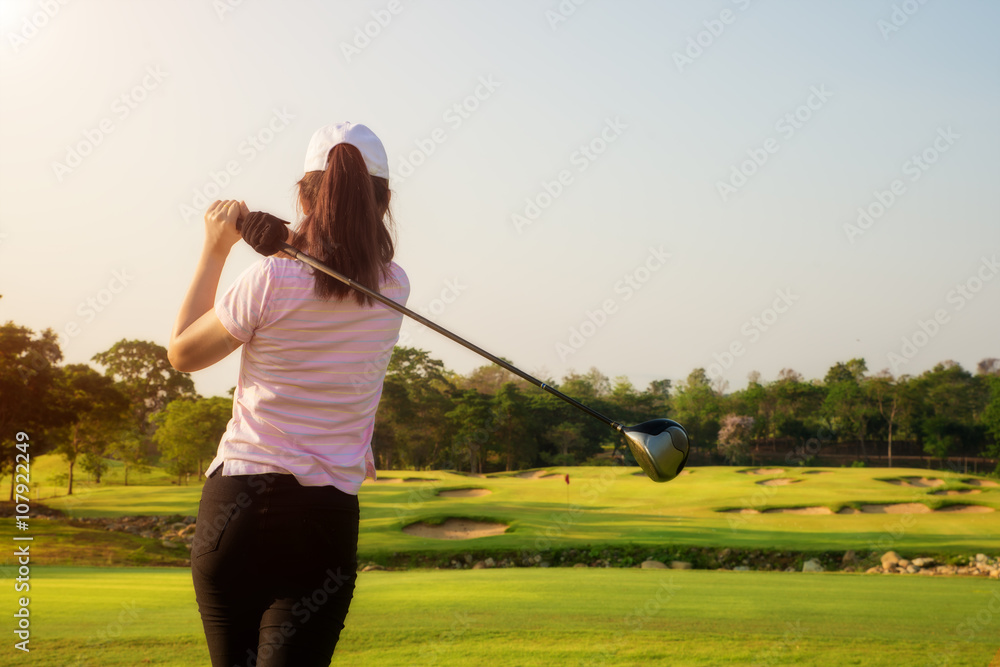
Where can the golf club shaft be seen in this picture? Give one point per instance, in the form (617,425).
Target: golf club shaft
(385,301)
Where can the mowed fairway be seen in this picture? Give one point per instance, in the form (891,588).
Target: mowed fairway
(559,616)
(614,506)
(109,616)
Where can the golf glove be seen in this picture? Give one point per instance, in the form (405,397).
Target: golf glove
(263,232)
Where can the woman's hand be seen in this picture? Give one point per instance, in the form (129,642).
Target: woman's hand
(220,225)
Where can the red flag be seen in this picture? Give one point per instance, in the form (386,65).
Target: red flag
(567,479)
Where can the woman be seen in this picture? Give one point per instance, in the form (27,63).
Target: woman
(275,551)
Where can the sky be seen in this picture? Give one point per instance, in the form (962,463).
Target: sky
(642,187)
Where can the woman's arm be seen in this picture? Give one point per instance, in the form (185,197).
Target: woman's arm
(199,339)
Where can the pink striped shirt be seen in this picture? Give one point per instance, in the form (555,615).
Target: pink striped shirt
(310,376)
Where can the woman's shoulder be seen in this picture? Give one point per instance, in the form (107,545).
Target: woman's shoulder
(397,283)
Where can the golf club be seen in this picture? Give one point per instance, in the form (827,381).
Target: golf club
(660,446)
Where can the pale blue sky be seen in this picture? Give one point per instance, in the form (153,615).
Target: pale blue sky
(112,230)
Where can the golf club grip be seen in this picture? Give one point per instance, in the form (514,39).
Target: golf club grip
(389,303)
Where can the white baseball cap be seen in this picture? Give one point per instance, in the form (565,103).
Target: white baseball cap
(355,134)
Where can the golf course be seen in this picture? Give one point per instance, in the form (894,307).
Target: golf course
(100,596)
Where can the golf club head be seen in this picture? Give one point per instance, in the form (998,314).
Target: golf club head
(660,446)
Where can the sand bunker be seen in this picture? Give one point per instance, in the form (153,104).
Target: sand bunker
(744,510)
(464,493)
(955,492)
(980,482)
(778,481)
(849,510)
(919,482)
(966,509)
(898,508)
(532,474)
(799,510)
(763,471)
(455,529)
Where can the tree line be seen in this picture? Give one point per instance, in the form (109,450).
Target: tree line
(137,410)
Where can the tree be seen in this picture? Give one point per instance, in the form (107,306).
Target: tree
(147,377)
(189,432)
(127,448)
(697,406)
(991,418)
(98,409)
(474,422)
(28,372)
(846,405)
(513,435)
(949,403)
(735,436)
(885,392)
(416,396)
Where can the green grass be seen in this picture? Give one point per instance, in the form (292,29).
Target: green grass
(138,616)
(50,472)
(613,506)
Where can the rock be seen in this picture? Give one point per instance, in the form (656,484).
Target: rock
(910,569)
(680,565)
(580,565)
(994,574)
(652,565)
(168,544)
(725,553)
(489,562)
(372,567)
(849,558)
(873,570)
(922,562)
(812,565)
(981,558)
(189,520)
(903,563)
(889,558)
(479,565)
(741,568)
(176,527)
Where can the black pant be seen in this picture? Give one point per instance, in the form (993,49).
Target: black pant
(274,565)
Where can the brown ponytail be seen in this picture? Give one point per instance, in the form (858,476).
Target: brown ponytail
(347,224)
